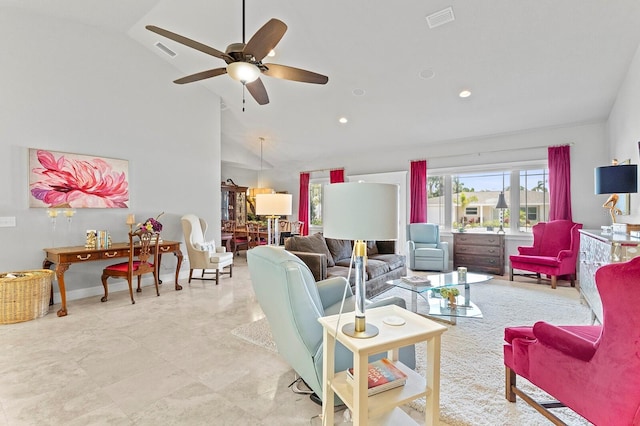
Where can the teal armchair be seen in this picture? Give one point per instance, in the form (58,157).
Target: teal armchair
(292,302)
(425,250)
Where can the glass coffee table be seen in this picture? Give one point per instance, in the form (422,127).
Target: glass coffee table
(438,307)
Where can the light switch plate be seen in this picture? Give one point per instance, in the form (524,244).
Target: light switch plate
(7,221)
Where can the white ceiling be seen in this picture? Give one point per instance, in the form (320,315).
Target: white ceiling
(529,64)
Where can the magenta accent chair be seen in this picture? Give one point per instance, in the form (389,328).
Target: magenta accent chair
(592,369)
(554,251)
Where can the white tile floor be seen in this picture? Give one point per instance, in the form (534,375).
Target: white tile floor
(168,360)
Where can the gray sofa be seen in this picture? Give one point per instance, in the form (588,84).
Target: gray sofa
(328,257)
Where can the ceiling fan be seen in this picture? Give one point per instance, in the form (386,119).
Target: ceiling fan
(244,60)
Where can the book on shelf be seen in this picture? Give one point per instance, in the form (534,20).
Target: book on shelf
(382,375)
(414,279)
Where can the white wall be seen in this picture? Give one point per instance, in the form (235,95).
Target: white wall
(80,89)
(624,129)
(588,149)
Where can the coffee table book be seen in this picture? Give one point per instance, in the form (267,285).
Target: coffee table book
(416,280)
(382,375)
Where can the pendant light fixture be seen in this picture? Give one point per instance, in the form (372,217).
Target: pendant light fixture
(255,191)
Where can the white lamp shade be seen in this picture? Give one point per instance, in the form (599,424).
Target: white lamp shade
(243,71)
(273,204)
(360,211)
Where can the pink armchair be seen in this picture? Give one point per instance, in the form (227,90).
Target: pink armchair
(592,369)
(554,251)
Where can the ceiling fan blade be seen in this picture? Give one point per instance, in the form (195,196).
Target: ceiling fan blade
(258,91)
(201,75)
(190,43)
(265,39)
(295,74)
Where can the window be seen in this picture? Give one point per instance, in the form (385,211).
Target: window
(315,204)
(471,211)
(470,199)
(534,198)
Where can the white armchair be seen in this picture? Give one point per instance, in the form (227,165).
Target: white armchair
(204,254)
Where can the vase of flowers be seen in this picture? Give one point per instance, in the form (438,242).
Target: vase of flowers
(151,225)
(449,295)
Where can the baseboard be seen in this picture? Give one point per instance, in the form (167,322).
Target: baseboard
(119,285)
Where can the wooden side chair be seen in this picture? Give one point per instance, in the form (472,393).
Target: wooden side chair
(255,239)
(143,259)
(296,227)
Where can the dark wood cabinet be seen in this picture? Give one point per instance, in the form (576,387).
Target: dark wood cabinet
(481,252)
(234,203)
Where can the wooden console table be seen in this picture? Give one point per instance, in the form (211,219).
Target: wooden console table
(63,257)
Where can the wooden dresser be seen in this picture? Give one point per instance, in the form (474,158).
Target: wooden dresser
(481,252)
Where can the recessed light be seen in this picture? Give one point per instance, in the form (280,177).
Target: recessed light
(358,92)
(464,94)
(427,74)
(271,53)
(343,120)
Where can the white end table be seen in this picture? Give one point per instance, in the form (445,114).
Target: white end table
(383,407)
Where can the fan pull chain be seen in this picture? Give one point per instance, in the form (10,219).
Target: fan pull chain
(243,101)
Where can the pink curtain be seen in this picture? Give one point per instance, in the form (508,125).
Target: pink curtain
(559,183)
(336,176)
(303,204)
(418,192)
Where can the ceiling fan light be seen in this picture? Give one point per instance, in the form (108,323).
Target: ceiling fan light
(243,72)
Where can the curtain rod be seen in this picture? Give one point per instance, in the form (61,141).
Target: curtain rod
(494,151)
(322,170)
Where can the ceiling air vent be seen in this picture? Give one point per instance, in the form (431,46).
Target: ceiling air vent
(440,18)
(165,49)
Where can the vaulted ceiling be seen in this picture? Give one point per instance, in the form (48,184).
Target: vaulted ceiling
(528,64)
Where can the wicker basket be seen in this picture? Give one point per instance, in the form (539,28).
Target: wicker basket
(24,295)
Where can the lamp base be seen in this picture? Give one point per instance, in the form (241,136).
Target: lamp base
(501,230)
(367,332)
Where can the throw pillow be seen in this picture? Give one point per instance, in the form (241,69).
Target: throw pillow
(209,246)
(340,249)
(311,244)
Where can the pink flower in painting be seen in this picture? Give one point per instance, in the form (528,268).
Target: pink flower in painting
(77,183)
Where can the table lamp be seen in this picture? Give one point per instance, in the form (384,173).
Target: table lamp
(360,212)
(615,179)
(502,204)
(273,206)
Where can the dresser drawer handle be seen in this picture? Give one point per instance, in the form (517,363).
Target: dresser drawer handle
(491,251)
(84,258)
(164,249)
(115,253)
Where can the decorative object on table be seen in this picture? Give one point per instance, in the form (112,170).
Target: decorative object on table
(63,180)
(151,224)
(91,241)
(617,179)
(24,295)
(273,206)
(462,274)
(382,376)
(361,212)
(131,220)
(449,295)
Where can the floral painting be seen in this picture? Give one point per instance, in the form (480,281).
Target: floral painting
(63,180)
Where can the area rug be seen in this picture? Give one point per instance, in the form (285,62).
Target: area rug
(472,371)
